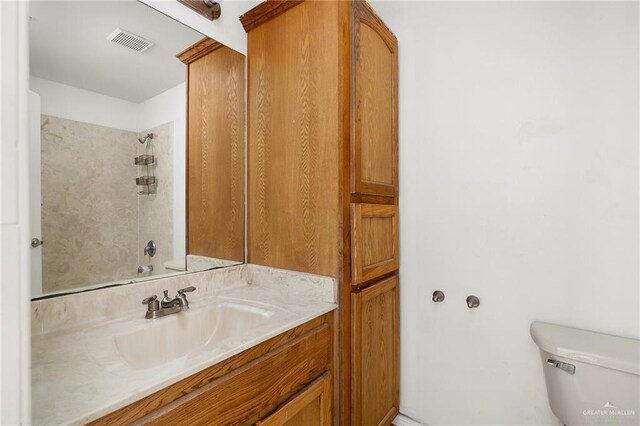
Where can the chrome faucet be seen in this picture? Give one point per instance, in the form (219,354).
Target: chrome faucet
(167,306)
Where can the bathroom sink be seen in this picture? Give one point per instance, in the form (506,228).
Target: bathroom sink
(165,339)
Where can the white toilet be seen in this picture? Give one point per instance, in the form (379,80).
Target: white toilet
(592,378)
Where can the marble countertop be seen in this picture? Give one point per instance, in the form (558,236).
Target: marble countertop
(78,374)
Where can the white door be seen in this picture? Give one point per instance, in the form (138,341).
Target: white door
(15,344)
(35,194)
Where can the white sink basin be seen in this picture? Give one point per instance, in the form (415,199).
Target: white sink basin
(168,338)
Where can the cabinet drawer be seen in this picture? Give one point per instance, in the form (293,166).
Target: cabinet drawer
(374,241)
(310,407)
(375,362)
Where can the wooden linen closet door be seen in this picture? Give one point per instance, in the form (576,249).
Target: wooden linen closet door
(374,165)
(375,362)
(374,246)
(374,227)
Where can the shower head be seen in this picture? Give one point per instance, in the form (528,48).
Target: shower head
(146,138)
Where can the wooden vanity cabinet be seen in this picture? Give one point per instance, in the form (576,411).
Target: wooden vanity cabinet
(323,177)
(283,381)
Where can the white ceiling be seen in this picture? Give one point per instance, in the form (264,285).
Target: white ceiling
(68,44)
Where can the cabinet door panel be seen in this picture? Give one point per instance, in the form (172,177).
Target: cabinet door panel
(215,155)
(375,366)
(310,407)
(293,154)
(375,142)
(374,241)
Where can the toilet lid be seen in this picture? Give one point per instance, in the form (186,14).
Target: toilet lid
(618,353)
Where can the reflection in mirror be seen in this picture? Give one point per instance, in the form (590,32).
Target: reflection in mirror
(215,171)
(108,121)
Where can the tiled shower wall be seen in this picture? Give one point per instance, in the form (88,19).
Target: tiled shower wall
(89,204)
(155,211)
(94,224)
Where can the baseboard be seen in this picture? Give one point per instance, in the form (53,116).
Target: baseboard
(401,420)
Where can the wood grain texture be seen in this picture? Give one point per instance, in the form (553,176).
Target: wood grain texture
(168,395)
(310,407)
(293,152)
(343,370)
(275,61)
(198,50)
(309,415)
(373,199)
(375,354)
(215,153)
(375,135)
(374,241)
(266,11)
(250,393)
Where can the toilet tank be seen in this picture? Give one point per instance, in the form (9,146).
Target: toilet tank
(592,378)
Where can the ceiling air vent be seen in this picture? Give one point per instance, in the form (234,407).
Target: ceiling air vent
(130,41)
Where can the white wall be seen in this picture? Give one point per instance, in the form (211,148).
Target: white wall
(72,103)
(519,184)
(164,108)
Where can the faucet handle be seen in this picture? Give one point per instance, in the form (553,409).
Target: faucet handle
(153,305)
(186,290)
(149,299)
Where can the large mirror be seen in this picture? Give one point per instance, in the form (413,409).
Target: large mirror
(108,120)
